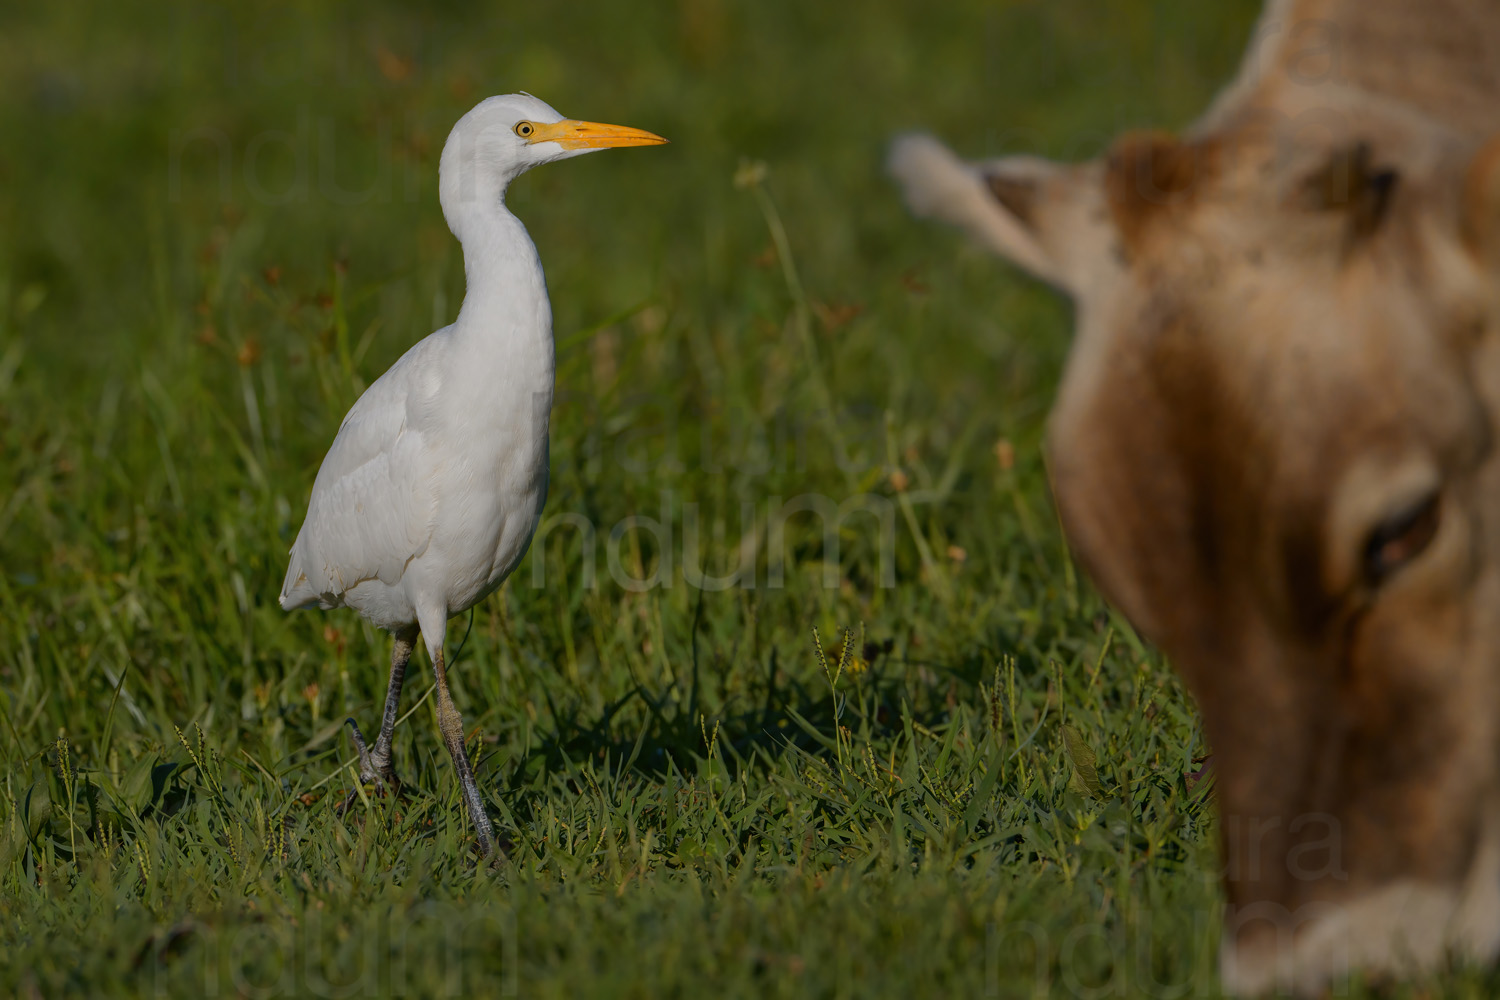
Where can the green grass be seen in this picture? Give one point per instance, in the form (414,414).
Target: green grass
(193,290)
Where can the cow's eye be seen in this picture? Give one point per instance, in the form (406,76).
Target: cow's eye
(1400,538)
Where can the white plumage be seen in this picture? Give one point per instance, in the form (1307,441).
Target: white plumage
(433,486)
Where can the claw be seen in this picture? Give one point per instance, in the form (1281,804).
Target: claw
(374,773)
(361,747)
(349,801)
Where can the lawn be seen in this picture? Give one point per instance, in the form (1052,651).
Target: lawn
(798,691)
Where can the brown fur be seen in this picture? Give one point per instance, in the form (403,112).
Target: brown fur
(1482,197)
(1290,338)
(1017,194)
(1149,175)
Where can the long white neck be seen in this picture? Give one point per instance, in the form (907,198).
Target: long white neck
(503,333)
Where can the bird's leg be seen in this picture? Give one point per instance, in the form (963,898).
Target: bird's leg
(451,724)
(375,762)
(380,757)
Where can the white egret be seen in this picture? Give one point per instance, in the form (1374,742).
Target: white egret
(431,491)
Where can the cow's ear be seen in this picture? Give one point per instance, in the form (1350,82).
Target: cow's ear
(1481,204)
(1047,218)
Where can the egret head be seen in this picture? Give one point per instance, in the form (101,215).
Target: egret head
(503,137)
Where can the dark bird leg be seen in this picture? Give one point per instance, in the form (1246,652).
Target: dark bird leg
(452,726)
(375,762)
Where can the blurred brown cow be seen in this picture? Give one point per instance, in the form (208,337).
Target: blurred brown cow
(1274,450)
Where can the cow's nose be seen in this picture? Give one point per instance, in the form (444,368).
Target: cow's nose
(1265,949)
(1397,929)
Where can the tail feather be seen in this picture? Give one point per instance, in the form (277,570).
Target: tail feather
(296,592)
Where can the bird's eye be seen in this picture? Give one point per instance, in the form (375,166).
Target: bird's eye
(525,129)
(1400,538)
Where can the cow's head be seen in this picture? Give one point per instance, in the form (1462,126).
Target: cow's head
(1274,450)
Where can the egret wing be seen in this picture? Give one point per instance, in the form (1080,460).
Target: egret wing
(373,503)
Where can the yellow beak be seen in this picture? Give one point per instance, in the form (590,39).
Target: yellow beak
(572,134)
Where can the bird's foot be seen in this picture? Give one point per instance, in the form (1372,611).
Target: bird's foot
(375,770)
